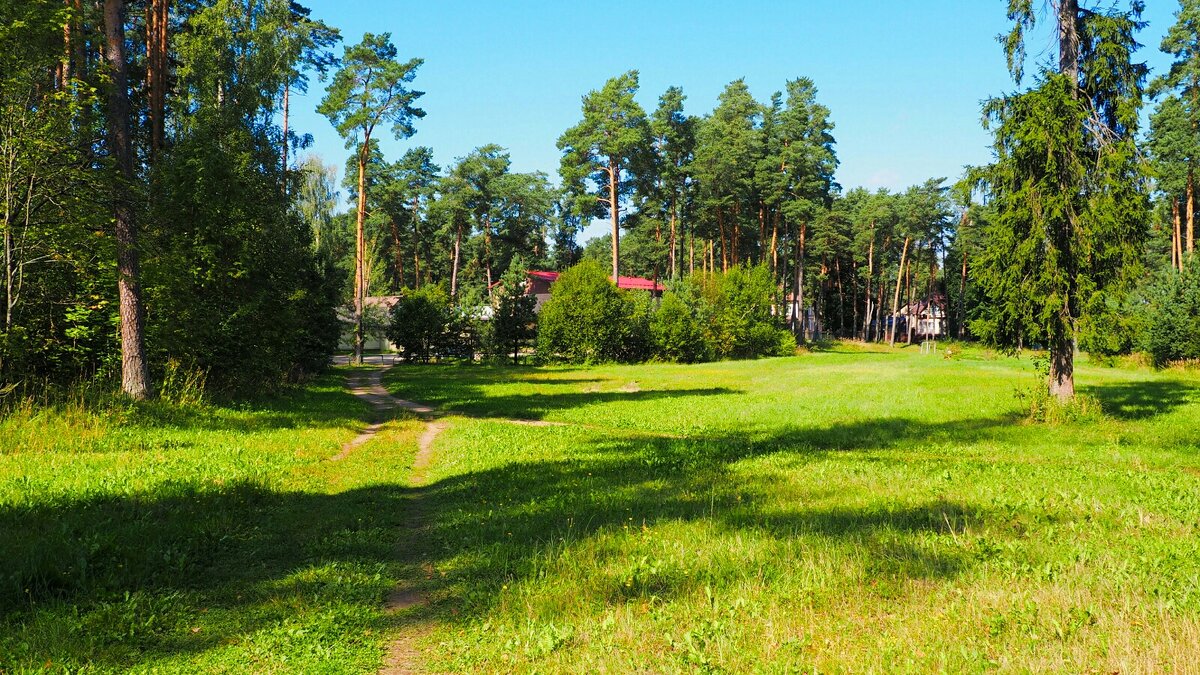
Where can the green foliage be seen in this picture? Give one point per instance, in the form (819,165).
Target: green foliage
(612,135)
(1174,317)
(371,88)
(677,334)
(637,342)
(1065,227)
(737,311)
(514,324)
(586,319)
(420,322)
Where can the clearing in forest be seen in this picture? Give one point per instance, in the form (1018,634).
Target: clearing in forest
(839,511)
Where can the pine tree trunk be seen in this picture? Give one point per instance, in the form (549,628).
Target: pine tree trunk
(1177,237)
(853,298)
(1062,369)
(157,18)
(66,59)
(359,250)
(837,266)
(287,88)
(762,230)
(1068,39)
(416,244)
(135,375)
(962,296)
(721,233)
(673,242)
(735,237)
(876,332)
(454,263)
(691,252)
(614,173)
(798,302)
(896,296)
(870,273)
(908,294)
(1191,213)
(775,246)
(397,253)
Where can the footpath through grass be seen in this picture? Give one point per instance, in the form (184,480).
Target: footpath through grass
(200,539)
(836,511)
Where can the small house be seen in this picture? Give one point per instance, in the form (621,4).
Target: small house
(538,285)
(926,317)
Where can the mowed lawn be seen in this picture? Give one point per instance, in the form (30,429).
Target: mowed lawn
(832,512)
(839,511)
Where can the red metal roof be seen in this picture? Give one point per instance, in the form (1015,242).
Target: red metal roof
(631,283)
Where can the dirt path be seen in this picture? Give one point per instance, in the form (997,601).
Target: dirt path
(402,656)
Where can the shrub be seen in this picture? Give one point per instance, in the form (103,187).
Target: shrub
(514,322)
(735,311)
(637,342)
(1174,330)
(676,332)
(586,319)
(419,322)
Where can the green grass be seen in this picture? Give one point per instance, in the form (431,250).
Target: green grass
(840,511)
(182,539)
(837,511)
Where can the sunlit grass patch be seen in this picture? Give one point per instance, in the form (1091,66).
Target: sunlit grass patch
(836,511)
(192,538)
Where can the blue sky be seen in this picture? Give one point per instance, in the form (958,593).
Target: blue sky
(903,79)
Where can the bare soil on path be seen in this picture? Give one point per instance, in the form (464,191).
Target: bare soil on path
(403,656)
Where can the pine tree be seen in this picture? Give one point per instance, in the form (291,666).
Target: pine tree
(370,89)
(600,153)
(1066,184)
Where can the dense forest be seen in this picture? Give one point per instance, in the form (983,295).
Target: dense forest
(160,214)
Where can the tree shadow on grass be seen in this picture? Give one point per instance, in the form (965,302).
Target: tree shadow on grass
(1141,399)
(461,390)
(185,548)
(326,407)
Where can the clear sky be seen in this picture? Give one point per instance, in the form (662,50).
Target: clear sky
(903,79)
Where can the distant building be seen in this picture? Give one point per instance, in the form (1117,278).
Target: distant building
(538,285)
(926,317)
(376,310)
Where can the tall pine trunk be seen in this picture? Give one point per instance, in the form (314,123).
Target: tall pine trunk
(896,296)
(1062,348)
(866,331)
(614,173)
(416,243)
(1191,212)
(721,232)
(962,296)
(359,248)
(1177,237)
(287,89)
(454,263)
(799,325)
(157,17)
(135,375)
(397,253)
(674,270)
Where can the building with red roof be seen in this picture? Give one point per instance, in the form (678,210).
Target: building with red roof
(539,283)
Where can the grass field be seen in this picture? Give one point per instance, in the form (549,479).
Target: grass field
(199,539)
(845,510)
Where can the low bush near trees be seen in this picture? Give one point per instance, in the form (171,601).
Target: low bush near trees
(722,316)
